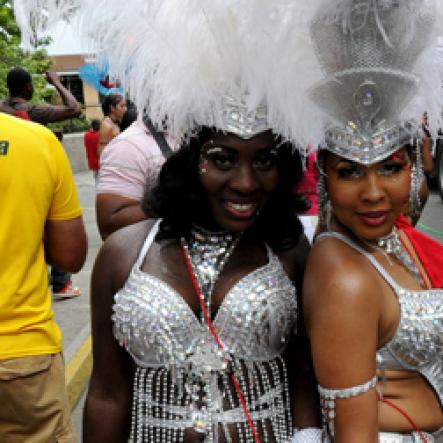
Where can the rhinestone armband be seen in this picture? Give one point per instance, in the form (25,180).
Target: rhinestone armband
(328,397)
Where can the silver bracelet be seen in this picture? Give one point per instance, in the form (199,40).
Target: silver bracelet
(328,397)
(347,392)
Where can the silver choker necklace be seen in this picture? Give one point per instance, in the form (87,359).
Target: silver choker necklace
(391,246)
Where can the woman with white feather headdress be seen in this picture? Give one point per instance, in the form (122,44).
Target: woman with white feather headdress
(375,314)
(193,315)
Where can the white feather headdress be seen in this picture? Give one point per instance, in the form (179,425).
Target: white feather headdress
(189,62)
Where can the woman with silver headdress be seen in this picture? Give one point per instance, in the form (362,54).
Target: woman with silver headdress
(205,302)
(194,314)
(373,297)
(205,297)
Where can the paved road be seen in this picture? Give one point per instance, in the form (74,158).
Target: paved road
(431,221)
(73,314)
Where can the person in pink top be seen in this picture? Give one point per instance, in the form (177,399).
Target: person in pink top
(129,163)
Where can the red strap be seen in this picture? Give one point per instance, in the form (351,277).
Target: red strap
(429,252)
(407,417)
(240,395)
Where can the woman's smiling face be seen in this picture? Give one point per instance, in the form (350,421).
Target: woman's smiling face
(238,177)
(368,199)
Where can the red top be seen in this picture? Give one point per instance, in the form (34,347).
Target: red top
(20,113)
(428,251)
(91,142)
(308,185)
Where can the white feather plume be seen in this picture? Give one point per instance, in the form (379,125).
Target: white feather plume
(178,58)
(36,16)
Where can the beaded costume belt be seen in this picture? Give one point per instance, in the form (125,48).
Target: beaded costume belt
(414,437)
(182,419)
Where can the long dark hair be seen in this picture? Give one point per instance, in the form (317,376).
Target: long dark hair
(111,100)
(180,200)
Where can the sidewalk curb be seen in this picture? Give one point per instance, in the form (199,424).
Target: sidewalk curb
(78,371)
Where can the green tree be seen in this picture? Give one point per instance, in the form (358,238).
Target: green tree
(11,55)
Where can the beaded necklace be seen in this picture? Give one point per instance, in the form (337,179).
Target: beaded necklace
(208,253)
(392,246)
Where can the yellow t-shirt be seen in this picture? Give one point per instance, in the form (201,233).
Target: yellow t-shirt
(36,184)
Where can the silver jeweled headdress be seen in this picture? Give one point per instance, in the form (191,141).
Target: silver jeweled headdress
(238,119)
(367,50)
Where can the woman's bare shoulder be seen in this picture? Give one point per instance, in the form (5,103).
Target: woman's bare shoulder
(337,274)
(126,239)
(121,249)
(342,313)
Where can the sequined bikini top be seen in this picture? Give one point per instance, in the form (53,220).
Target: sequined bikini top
(158,327)
(418,342)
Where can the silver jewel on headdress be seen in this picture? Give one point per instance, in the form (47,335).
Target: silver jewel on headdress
(242,121)
(367,103)
(367,50)
(352,144)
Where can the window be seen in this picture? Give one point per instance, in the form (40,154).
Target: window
(75,85)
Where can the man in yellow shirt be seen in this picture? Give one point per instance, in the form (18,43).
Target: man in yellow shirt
(21,90)
(40,219)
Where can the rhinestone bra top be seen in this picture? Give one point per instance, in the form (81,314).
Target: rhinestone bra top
(418,342)
(158,328)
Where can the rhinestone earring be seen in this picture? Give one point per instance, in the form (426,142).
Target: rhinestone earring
(323,200)
(415,203)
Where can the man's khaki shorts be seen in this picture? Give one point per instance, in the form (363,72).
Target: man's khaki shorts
(33,401)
